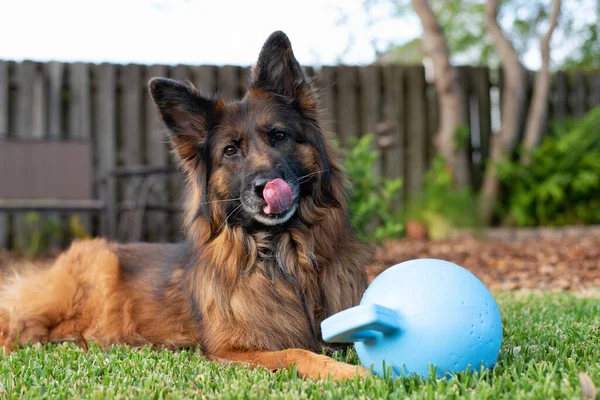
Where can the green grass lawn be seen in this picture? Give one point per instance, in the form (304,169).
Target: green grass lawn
(548,340)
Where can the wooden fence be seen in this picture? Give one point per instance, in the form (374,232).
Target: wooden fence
(109,105)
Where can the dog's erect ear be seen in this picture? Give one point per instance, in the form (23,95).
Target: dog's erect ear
(278,71)
(186,114)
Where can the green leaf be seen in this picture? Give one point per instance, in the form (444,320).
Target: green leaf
(562,183)
(372,198)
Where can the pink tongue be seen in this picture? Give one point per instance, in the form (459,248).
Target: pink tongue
(278,196)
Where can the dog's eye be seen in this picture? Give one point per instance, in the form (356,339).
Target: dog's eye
(230,151)
(278,136)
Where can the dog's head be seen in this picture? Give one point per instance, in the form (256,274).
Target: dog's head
(254,162)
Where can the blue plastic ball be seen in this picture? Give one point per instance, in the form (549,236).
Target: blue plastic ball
(421,314)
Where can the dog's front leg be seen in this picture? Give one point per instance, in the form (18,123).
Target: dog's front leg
(308,364)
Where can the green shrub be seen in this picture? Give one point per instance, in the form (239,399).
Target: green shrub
(440,206)
(372,196)
(561,185)
(39,230)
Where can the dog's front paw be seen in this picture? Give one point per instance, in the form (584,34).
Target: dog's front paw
(23,332)
(328,367)
(343,371)
(4,331)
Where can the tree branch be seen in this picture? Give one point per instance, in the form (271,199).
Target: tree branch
(501,42)
(512,105)
(451,113)
(539,102)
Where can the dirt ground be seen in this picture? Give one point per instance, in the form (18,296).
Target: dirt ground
(565,264)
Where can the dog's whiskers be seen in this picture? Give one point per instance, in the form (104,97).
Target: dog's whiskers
(303,178)
(219,201)
(229,215)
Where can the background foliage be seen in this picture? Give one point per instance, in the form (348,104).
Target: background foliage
(372,197)
(561,185)
(575,44)
(441,206)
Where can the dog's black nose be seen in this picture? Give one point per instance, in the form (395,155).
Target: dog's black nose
(259,185)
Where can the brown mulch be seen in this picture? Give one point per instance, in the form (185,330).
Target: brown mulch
(9,259)
(542,264)
(546,264)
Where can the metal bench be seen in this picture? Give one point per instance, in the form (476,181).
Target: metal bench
(49,177)
(146,193)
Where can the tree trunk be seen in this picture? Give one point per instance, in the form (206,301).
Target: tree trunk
(539,102)
(449,92)
(502,142)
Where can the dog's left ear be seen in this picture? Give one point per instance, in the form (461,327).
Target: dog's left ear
(277,71)
(187,114)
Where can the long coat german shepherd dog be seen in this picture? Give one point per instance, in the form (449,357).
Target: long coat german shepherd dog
(269,251)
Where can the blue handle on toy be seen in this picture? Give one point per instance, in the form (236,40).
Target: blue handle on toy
(362,323)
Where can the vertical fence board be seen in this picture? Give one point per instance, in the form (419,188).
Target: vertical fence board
(38,132)
(347,105)
(228,82)
(370,98)
(80,109)
(4,92)
(243,81)
(594,90)
(561,101)
(370,106)
(327,80)
(25,77)
(38,124)
(55,72)
(579,95)
(433,120)
(131,144)
(181,73)
(416,117)
(105,144)
(481,90)
(38,111)
(157,154)
(393,155)
(205,79)
(463,156)
(4,115)
(529,79)
(131,134)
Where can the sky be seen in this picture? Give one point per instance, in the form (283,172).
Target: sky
(189,31)
(215,32)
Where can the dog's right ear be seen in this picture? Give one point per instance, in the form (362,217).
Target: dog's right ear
(186,113)
(278,71)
